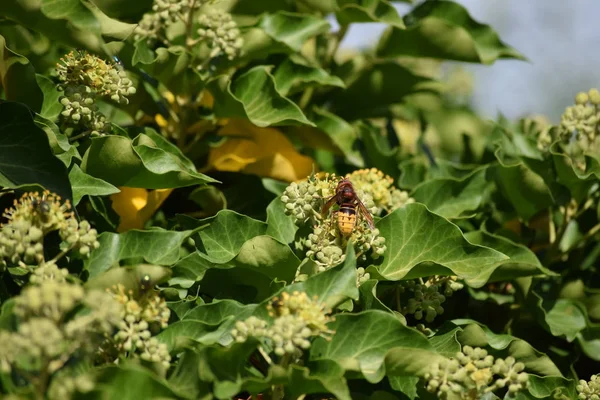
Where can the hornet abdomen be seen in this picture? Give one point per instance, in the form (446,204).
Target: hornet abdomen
(346,218)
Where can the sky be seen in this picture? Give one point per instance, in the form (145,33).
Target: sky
(560,38)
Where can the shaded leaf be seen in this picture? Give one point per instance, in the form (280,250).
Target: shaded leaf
(295,74)
(18,79)
(376,87)
(353,11)
(291,29)
(19,139)
(156,246)
(452,198)
(445,30)
(129,382)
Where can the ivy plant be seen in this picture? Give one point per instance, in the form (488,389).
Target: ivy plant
(213,199)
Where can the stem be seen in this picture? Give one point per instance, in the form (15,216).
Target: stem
(84,134)
(306,96)
(398,303)
(189,25)
(265,355)
(278,391)
(61,254)
(339,37)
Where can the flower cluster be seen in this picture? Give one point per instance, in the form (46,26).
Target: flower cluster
(139,318)
(471,374)
(326,244)
(589,390)
(56,321)
(221,34)
(296,319)
(381,188)
(426,299)
(83,78)
(216,29)
(539,127)
(582,118)
(32,217)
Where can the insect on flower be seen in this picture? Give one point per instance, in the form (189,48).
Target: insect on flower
(347,200)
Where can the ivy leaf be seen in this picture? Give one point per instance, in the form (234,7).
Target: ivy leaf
(415,235)
(18,79)
(291,29)
(362,342)
(58,30)
(254,96)
(51,106)
(295,74)
(445,30)
(73,11)
(86,185)
(522,261)
(19,139)
(223,239)
(260,268)
(279,225)
(317,377)
(207,324)
(376,87)
(341,133)
(155,246)
(145,162)
(452,198)
(475,334)
(530,196)
(129,382)
(353,11)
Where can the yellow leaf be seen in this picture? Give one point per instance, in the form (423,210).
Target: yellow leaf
(135,206)
(259,151)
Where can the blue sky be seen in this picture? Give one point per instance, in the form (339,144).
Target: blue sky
(560,38)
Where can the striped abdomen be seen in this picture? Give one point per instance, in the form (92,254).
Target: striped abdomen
(346,218)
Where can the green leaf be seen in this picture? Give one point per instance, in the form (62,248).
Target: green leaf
(51,106)
(318,377)
(377,150)
(73,11)
(207,324)
(291,29)
(156,246)
(254,96)
(131,277)
(296,74)
(445,30)
(354,11)
(145,162)
(279,225)
(452,198)
(58,30)
(415,235)
(86,185)
(376,87)
(526,190)
(17,78)
(522,261)
(362,342)
(129,382)
(20,138)
(108,26)
(260,268)
(341,133)
(476,334)
(223,239)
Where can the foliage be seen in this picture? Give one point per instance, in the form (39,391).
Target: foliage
(164,168)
